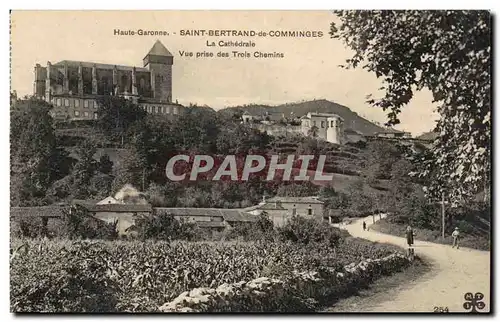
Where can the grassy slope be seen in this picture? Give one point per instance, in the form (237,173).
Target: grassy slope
(351,119)
(481,242)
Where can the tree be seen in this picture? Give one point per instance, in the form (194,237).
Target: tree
(446,52)
(33,148)
(84,169)
(313,131)
(116,115)
(105,165)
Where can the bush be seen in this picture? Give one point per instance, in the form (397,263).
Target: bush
(306,231)
(67,280)
(32,228)
(78,225)
(165,227)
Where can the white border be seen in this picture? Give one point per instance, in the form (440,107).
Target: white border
(214,4)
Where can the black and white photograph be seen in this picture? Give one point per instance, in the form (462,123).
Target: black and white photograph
(251,161)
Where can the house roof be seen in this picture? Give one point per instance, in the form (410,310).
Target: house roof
(46,211)
(310,200)
(271,206)
(84,201)
(159,49)
(229,215)
(117,208)
(324,115)
(86,64)
(210,224)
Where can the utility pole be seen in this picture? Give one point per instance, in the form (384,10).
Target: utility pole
(442,213)
(143,179)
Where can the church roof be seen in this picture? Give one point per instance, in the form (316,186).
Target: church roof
(86,64)
(159,50)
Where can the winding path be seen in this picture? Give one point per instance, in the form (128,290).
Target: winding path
(454,272)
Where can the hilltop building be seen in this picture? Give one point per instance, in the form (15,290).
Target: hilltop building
(325,126)
(73,87)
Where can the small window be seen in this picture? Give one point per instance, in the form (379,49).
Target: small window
(154,109)
(168,110)
(77,103)
(86,114)
(66,102)
(309,211)
(331,124)
(77,113)
(314,123)
(322,124)
(95,115)
(58,102)
(176,110)
(85,103)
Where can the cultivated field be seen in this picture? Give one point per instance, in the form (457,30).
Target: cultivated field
(137,276)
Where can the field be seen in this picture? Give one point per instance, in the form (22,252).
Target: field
(136,276)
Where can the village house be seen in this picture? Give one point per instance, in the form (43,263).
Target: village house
(280,209)
(212,218)
(124,215)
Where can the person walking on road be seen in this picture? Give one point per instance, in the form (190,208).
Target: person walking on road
(409,235)
(364,225)
(456,237)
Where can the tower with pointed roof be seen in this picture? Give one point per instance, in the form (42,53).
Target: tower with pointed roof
(159,61)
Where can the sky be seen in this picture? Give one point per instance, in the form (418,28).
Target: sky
(309,69)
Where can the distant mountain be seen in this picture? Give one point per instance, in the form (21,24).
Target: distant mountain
(352,119)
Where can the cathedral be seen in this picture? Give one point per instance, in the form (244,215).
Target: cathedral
(74,86)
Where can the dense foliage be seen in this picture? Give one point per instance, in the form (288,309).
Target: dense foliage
(448,53)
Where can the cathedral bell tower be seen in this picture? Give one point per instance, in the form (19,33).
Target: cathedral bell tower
(159,61)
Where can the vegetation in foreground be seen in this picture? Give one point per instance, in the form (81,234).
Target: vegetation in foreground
(140,276)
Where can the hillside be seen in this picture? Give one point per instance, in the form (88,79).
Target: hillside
(428,136)
(352,119)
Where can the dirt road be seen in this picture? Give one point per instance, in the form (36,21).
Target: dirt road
(453,274)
